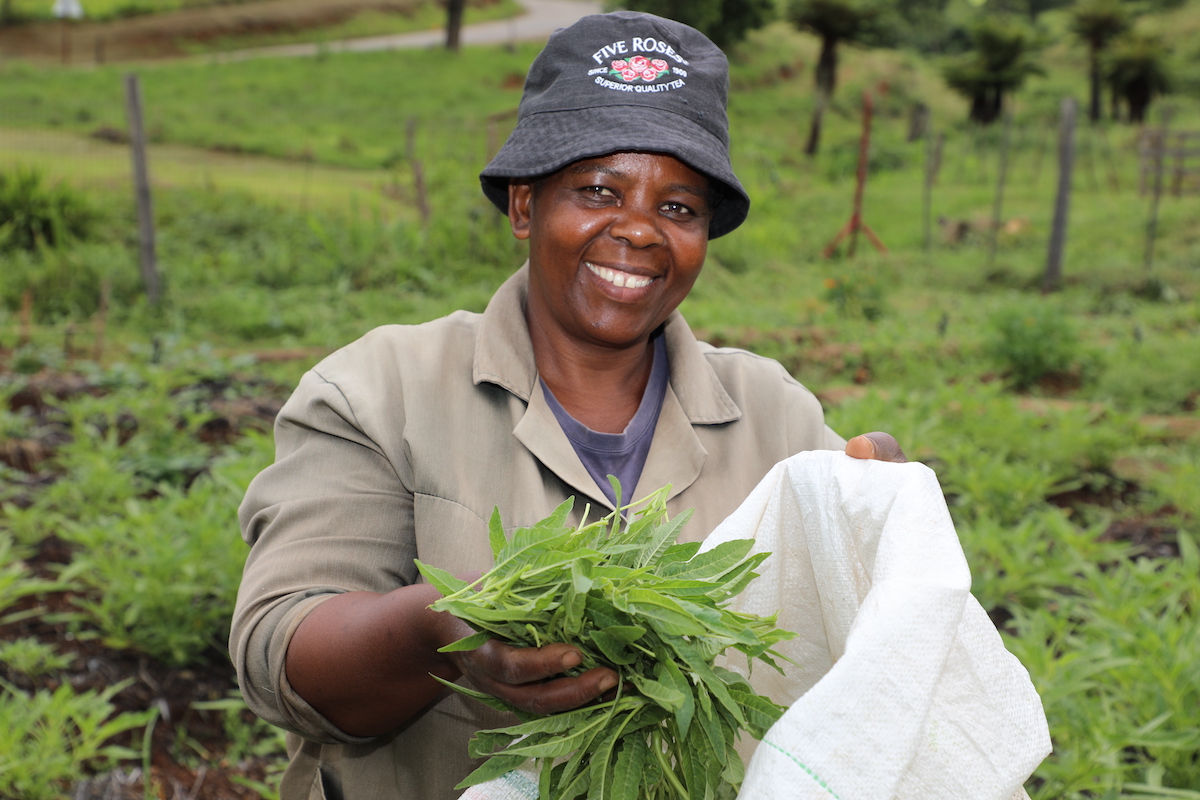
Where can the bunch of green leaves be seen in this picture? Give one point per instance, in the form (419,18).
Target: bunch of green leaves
(655,611)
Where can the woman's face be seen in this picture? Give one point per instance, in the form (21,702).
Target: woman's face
(615,244)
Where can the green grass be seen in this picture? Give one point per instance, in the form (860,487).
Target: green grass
(100,10)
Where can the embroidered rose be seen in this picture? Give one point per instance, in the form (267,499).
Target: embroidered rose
(632,69)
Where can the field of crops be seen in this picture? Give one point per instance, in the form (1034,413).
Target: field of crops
(1064,426)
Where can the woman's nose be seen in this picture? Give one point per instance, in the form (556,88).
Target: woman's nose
(637,225)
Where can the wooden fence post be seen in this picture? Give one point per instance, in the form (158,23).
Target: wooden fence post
(998,204)
(418,171)
(1062,202)
(141,180)
(927,194)
(1152,223)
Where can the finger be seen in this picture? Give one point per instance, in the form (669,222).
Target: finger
(876,445)
(559,694)
(517,665)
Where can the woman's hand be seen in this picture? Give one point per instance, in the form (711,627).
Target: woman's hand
(877,445)
(532,678)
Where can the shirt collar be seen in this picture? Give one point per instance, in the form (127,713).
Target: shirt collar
(504,356)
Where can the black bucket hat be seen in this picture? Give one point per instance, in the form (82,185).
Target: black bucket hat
(624,81)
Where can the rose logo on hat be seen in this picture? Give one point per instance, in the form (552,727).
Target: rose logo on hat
(639,67)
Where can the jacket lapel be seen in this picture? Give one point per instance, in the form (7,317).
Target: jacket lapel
(695,396)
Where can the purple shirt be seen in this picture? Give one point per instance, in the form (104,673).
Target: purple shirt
(620,454)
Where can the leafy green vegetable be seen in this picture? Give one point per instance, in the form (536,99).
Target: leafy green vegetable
(631,599)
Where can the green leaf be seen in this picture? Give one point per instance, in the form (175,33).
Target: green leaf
(496,535)
(491,769)
(663,694)
(665,614)
(442,580)
(627,771)
(662,538)
(467,643)
(711,563)
(614,648)
(669,673)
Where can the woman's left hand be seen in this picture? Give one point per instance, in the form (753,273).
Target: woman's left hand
(877,445)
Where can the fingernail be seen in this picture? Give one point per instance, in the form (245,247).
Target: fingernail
(607,682)
(571,660)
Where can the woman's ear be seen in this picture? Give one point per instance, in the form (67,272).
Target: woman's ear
(520,203)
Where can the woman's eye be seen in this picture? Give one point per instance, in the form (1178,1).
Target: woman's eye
(599,191)
(678,208)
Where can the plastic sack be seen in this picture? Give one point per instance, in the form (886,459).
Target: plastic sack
(902,688)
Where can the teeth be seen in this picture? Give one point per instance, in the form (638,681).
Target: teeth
(618,278)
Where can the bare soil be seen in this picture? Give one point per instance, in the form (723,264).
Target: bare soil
(169,35)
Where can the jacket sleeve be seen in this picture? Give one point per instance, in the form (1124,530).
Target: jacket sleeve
(331,515)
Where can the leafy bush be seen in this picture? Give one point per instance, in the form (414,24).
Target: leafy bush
(34,214)
(1030,343)
(166,569)
(855,296)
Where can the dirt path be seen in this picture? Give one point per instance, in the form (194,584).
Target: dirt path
(163,35)
(541,18)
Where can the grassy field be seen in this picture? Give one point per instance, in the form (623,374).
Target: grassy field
(1063,426)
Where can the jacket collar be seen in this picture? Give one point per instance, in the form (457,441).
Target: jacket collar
(504,356)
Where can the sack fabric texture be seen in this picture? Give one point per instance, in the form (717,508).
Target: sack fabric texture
(901,689)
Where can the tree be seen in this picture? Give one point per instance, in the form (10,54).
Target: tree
(1002,60)
(1098,23)
(833,22)
(1137,70)
(454,19)
(726,22)
(6,12)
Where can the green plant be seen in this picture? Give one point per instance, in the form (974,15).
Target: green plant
(1031,342)
(28,656)
(855,296)
(16,579)
(166,570)
(50,739)
(34,214)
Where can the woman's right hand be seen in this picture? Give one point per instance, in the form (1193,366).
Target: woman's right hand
(533,679)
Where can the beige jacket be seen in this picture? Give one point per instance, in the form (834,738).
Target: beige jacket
(401,444)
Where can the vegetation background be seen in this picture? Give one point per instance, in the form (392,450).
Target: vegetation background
(300,202)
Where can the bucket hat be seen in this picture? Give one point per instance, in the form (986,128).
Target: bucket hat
(624,81)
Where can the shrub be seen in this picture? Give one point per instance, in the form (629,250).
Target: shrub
(34,214)
(1030,343)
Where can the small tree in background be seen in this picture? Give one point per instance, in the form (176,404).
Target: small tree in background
(726,22)
(1136,68)
(833,22)
(1001,62)
(1098,23)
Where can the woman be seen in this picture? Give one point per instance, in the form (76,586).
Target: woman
(400,445)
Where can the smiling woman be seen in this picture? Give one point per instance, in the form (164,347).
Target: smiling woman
(400,445)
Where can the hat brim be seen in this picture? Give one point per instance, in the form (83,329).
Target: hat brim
(544,143)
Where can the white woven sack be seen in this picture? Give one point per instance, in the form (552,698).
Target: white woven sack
(902,689)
